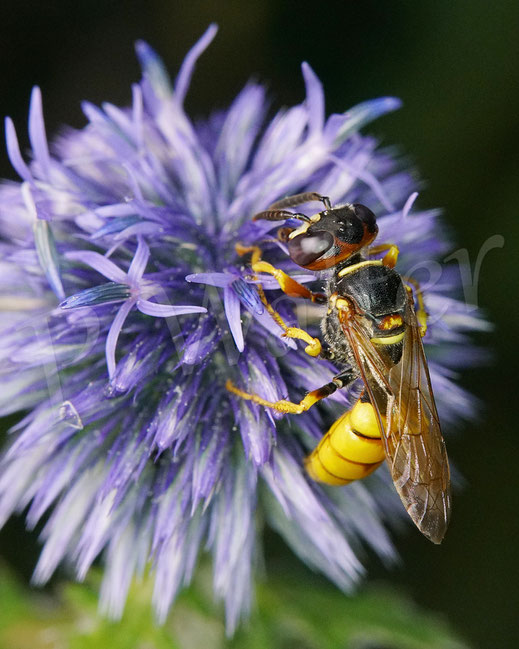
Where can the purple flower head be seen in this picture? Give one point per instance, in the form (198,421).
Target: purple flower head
(127,308)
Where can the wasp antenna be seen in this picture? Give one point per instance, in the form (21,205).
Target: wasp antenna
(279,215)
(299,199)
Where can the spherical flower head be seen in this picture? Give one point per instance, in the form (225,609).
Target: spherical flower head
(127,308)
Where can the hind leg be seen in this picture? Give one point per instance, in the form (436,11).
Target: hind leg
(341,380)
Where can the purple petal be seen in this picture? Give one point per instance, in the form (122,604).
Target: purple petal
(256,436)
(232,313)
(48,256)
(13,151)
(99,263)
(137,115)
(237,136)
(201,342)
(114,226)
(367,177)
(233,529)
(248,295)
(144,227)
(37,134)
(116,209)
(65,523)
(103,294)
(153,69)
(127,552)
(113,335)
(361,114)
(210,461)
(314,99)
(307,525)
(167,310)
(186,70)
(139,261)
(409,204)
(213,279)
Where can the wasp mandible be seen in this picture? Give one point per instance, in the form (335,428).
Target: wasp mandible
(370,326)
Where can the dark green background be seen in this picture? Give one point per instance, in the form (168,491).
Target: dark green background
(454,64)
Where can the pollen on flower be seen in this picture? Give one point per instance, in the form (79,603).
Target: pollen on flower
(127,308)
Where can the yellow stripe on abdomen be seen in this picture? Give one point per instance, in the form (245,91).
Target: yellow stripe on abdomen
(350,450)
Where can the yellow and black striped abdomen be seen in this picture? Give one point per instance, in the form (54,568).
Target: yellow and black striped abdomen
(350,450)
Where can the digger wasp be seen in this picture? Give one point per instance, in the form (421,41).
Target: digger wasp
(371,327)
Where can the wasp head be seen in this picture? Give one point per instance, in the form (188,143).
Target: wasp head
(331,236)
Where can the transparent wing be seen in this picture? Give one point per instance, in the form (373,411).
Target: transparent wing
(408,419)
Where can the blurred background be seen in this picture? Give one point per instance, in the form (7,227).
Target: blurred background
(454,64)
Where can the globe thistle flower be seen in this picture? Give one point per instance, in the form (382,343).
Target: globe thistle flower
(126,309)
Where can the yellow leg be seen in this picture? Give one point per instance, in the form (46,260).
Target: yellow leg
(288,406)
(288,286)
(390,258)
(421,313)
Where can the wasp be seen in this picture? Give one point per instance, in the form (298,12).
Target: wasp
(372,328)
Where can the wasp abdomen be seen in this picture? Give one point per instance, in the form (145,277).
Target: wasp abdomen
(350,450)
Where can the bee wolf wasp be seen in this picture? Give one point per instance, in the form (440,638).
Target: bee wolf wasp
(371,326)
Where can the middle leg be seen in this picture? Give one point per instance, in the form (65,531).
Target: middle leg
(391,256)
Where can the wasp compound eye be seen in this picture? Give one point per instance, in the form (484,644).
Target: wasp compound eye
(307,248)
(367,217)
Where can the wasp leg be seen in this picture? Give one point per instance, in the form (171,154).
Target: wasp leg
(421,313)
(288,286)
(391,256)
(341,380)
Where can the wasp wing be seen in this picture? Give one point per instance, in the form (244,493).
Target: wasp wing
(408,419)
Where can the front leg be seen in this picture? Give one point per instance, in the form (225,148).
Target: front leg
(291,288)
(286,283)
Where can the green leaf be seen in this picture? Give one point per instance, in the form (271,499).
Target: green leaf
(294,614)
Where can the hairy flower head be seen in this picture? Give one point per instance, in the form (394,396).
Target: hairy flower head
(127,308)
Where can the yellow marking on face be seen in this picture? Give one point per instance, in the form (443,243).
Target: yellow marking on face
(303,228)
(389,340)
(361,264)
